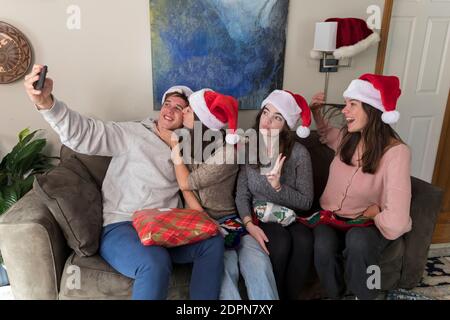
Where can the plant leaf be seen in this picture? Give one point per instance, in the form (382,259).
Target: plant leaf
(23,186)
(7,199)
(3,179)
(24,137)
(25,140)
(11,194)
(6,162)
(23,134)
(21,161)
(41,163)
(17,168)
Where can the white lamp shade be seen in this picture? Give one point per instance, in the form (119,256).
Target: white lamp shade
(325,36)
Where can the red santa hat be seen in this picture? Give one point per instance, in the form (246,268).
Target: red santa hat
(178,89)
(292,107)
(381,92)
(353,36)
(215,110)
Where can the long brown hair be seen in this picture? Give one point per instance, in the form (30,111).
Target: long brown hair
(198,154)
(287,139)
(377,138)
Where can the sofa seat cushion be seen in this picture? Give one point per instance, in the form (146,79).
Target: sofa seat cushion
(99,281)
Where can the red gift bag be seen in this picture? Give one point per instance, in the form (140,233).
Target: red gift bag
(173,227)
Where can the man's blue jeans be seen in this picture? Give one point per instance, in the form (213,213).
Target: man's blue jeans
(151,266)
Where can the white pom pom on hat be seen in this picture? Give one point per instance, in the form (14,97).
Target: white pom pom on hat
(390,117)
(303,132)
(232,138)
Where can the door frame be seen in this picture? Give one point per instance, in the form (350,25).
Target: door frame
(441,176)
(384,36)
(443,138)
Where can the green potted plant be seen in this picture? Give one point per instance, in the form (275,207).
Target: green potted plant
(17,171)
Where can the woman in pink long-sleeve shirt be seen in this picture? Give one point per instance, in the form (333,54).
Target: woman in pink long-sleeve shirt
(369,176)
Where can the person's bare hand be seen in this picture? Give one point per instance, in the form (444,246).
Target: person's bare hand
(275,174)
(41,98)
(168,136)
(259,235)
(317,101)
(323,133)
(371,212)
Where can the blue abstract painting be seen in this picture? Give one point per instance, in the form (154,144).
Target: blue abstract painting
(235,47)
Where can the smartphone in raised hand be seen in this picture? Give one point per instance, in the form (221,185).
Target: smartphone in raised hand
(39,85)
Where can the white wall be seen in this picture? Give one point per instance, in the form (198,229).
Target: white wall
(104,69)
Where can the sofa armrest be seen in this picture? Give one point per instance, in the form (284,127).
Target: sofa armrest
(33,248)
(425,207)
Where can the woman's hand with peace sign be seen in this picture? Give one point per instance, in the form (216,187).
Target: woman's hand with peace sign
(275,174)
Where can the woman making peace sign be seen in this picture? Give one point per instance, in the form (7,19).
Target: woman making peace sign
(274,194)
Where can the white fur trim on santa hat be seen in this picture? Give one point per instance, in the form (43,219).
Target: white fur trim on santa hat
(179,89)
(364,91)
(303,132)
(286,105)
(198,105)
(350,51)
(232,138)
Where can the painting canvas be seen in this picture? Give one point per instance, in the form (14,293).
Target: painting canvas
(235,47)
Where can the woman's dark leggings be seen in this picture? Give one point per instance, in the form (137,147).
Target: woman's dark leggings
(291,254)
(351,253)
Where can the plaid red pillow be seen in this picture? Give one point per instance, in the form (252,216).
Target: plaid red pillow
(173,227)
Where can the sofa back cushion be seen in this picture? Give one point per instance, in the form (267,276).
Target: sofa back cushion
(321,157)
(75,201)
(95,165)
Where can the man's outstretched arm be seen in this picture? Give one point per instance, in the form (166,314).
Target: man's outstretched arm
(81,134)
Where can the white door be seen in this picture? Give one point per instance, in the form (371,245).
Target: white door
(418,52)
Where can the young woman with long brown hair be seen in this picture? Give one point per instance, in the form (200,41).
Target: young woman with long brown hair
(369,177)
(287,186)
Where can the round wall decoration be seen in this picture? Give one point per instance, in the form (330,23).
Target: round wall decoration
(15,53)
